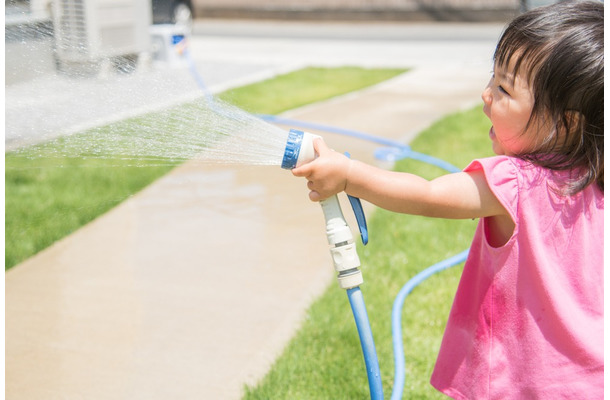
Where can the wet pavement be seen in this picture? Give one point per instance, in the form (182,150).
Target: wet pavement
(192,287)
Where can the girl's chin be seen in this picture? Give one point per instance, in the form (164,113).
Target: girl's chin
(495,145)
(498,151)
(492,133)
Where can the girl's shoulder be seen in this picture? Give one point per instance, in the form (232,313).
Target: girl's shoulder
(528,174)
(514,180)
(511,167)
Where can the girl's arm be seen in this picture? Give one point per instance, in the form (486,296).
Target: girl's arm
(459,195)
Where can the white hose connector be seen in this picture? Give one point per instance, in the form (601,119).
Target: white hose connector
(343,249)
(337,229)
(299,150)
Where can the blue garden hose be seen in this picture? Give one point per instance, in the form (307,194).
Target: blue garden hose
(399,354)
(373,373)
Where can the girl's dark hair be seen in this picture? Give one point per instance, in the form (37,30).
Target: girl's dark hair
(561,47)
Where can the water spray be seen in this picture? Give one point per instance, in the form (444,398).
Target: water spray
(299,150)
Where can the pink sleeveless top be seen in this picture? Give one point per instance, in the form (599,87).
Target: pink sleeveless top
(527,318)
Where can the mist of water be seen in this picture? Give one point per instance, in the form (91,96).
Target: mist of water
(206,130)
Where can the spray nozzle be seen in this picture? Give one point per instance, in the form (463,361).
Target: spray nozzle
(299,150)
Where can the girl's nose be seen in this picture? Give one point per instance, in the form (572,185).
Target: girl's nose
(486,95)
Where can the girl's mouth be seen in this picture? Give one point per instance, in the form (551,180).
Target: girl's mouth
(492,133)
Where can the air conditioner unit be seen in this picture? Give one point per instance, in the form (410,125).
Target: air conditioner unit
(90,31)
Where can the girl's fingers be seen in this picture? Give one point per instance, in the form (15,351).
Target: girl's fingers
(314,196)
(305,170)
(302,171)
(319,145)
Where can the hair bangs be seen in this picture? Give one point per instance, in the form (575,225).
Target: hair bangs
(526,56)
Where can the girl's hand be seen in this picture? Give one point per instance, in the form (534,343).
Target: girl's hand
(327,174)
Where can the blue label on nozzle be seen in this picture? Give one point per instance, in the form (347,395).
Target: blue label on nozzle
(293,148)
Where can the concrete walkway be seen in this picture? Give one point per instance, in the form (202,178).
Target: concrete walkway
(193,287)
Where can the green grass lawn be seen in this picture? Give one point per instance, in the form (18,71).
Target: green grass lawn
(324,360)
(299,88)
(52,190)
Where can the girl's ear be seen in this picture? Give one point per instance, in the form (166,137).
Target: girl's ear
(574,120)
(569,128)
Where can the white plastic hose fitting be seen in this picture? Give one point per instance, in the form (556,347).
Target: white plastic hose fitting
(343,249)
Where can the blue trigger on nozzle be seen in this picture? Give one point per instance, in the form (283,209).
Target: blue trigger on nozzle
(359,213)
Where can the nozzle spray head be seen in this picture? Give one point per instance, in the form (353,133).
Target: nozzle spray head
(299,149)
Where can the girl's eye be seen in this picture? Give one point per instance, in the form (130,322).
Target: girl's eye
(502,89)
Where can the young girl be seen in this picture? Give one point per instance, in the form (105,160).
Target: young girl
(527,319)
